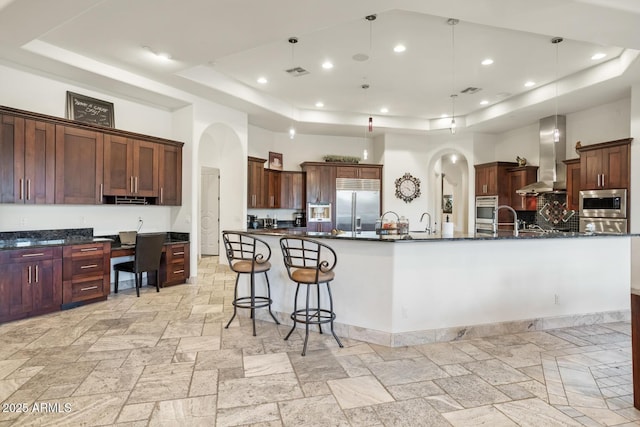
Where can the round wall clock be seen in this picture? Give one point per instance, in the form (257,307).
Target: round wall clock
(407,187)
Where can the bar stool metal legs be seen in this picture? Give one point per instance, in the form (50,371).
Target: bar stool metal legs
(248,255)
(310,263)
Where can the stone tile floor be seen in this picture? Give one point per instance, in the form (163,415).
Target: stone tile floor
(165,359)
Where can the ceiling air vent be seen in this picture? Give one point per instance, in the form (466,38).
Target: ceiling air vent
(470,90)
(297,71)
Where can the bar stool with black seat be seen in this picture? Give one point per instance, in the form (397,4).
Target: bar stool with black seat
(247,254)
(146,259)
(310,263)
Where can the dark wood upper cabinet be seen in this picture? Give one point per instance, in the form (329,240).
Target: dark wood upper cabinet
(573,183)
(492,180)
(292,190)
(605,165)
(518,178)
(79,165)
(255,182)
(27,162)
(170,175)
(131,167)
(359,171)
(272,189)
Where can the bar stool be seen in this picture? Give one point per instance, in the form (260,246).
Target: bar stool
(310,263)
(248,255)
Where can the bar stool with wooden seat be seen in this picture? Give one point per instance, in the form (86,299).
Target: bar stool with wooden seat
(310,263)
(248,255)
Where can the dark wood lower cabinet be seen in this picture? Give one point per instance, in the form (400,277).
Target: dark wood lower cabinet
(635,348)
(174,267)
(86,272)
(30,282)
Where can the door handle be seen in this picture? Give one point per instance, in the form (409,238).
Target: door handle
(161,195)
(29,274)
(28,189)
(101,192)
(36,273)
(131,184)
(136,181)
(603,180)
(21,189)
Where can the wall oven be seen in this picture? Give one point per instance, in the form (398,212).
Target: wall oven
(603,211)
(485,211)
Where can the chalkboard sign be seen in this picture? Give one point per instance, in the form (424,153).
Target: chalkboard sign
(89,110)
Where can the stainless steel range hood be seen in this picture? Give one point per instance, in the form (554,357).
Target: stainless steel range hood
(551,169)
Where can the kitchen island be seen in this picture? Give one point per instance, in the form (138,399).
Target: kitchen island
(419,288)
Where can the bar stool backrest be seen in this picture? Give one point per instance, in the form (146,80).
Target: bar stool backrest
(241,246)
(306,253)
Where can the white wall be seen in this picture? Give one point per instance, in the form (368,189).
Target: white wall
(522,142)
(634,193)
(306,148)
(603,123)
(31,92)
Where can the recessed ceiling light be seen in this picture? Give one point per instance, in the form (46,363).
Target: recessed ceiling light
(384,110)
(529,84)
(262,80)
(487,61)
(598,55)
(399,48)
(163,56)
(319,104)
(327,65)
(444,115)
(484,102)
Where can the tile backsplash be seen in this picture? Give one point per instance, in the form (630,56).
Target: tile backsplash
(552,212)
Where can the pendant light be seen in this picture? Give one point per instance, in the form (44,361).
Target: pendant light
(292,129)
(453,22)
(370,18)
(556,131)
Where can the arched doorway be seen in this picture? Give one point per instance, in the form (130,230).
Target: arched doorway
(220,150)
(451,189)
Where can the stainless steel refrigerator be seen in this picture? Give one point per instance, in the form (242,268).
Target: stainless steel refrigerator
(357,204)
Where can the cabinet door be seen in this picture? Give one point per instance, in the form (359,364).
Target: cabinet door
(590,169)
(145,169)
(573,185)
(615,162)
(292,185)
(15,291)
(79,166)
(272,189)
(118,166)
(170,176)
(347,172)
(369,173)
(492,180)
(11,159)
(46,285)
(39,162)
(255,183)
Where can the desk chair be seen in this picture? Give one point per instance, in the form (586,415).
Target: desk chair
(310,263)
(146,259)
(248,255)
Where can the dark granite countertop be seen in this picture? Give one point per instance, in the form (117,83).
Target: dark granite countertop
(370,236)
(63,237)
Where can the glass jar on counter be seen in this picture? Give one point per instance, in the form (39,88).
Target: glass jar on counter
(403,225)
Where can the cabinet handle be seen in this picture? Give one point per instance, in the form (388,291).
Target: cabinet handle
(36,274)
(161,195)
(29,274)
(90,288)
(21,189)
(179,253)
(603,180)
(178,272)
(32,255)
(88,249)
(28,189)
(101,192)
(88,266)
(131,184)
(136,181)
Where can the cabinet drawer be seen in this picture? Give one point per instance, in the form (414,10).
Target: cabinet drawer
(88,250)
(175,253)
(86,288)
(34,254)
(87,266)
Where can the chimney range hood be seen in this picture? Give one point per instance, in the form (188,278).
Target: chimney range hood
(551,169)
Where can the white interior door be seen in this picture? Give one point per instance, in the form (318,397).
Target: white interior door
(209,211)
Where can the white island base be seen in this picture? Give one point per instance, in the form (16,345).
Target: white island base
(397,293)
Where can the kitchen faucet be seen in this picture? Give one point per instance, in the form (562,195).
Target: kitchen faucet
(428,227)
(495,219)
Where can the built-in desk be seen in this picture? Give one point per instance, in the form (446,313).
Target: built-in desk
(174,264)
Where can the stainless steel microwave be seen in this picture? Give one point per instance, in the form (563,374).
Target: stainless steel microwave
(603,203)
(485,212)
